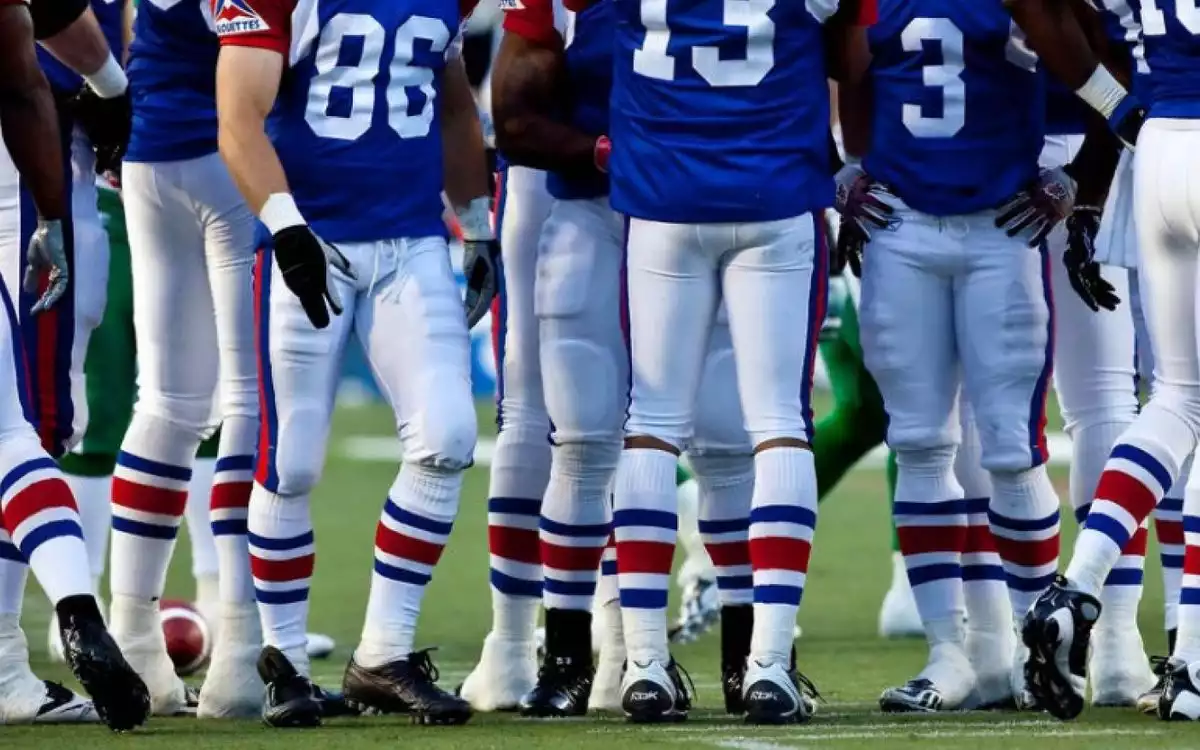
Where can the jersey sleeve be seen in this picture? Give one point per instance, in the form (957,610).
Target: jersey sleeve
(533,20)
(266,24)
(868,13)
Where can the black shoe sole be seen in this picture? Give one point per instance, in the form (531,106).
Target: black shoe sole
(302,713)
(118,693)
(898,707)
(1042,677)
(441,718)
(549,712)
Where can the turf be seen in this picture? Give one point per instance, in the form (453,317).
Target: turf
(839,648)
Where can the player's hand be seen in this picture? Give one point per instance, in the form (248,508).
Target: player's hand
(1037,209)
(860,202)
(47,256)
(481,266)
(107,123)
(1079,258)
(1127,120)
(304,260)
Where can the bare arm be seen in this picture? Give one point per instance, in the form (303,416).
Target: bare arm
(81,46)
(525,88)
(27,116)
(465,165)
(1094,165)
(247,84)
(128,14)
(854,95)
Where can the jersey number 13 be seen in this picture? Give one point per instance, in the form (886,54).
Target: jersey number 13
(653,61)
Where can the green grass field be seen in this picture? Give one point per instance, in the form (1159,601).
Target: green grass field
(839,649)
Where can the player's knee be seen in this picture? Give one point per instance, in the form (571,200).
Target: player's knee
(238,396)
(918,436)
(190,413)
(1098,402)
(587,465)
(443,435)
(299,450)
(1182,399)
(718,467)
(935,460)
(585,397)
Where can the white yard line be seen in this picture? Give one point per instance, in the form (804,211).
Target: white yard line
(801,737)
(386,449)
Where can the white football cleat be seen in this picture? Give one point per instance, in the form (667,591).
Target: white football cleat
(773,695)
(136,626)
(25,699)
(991,655)
(232,687)
(898,616)
(506,671)
(1118,670)
(653,693)
(320,646)
(610,664)
(1022,696)
(945,684)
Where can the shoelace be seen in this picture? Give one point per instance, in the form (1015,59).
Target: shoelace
(689,691)
(810,689)
(1158,665)
(422,662)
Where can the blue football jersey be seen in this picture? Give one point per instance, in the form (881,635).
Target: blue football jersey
(720,110)
(589,59)
(1122,22)
(108,14)
(1171,35)
(356,123)
(959,105)
(172,79)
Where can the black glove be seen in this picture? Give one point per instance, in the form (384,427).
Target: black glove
(107,123)
(1037,209)
(304,260)
(1082,269)
(481,267)
(851,240)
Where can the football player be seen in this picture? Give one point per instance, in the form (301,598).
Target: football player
(191,241)
(726,207)
(359,148)
(1149,456)
(926,220)
(41,522)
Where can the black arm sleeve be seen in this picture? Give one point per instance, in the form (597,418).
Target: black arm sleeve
(52,16)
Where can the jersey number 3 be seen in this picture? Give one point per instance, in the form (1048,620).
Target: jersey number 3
(360,77)
(947,75)
(653,61)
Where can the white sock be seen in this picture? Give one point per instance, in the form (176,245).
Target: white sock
(985,590)
(726,484)
(232,481)
(149,493)
(1187,641)
(413,530)
(931,524)
(783,514)
(13,572)
(1024,520)
(519,477)
(1168,528)
(204,550)
(576,522)
(94,495)
(645,526)
(282,558)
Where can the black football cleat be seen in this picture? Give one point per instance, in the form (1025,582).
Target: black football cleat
(1057,631)
(291,700)
(563,688)
(118,693)
(405,686)
(737,627)
(333,703)
(1180,699)
(1147,702)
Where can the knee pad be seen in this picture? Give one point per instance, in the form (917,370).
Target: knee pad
(298,449)
(191,413)
(441,435)
(587,467)
(927,461)
(584,391)
(715,469)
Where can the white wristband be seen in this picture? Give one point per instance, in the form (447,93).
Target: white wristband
(109,81)
(853,161)
(475,221)
(1102,92)
(280,212)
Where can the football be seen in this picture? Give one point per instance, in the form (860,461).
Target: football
(189,641)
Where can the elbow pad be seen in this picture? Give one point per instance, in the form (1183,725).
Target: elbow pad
(52,16)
